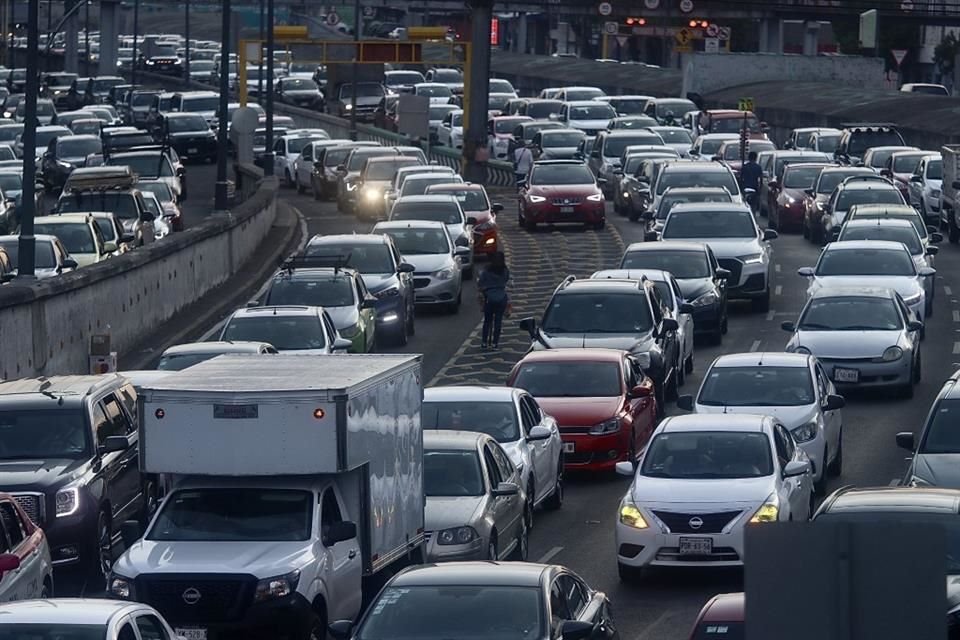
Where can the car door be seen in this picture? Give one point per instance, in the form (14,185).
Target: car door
(685,320)
(25,541)
(915,184)
(528,420)
(641,409)
(345,566)
(795,490)
(504,510)
(518,503)
(119,468)
(667,339)
(305,164)
(367,313)
(279,156)
(832,420)
(547,453)
(559,607)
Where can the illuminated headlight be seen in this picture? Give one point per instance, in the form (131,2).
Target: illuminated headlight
(457,535)
(630,515)
(821,205)
(769,511)
(490,241)
(387,293)
(443,274)
(914,299)
(710,297)
(537,199)
(68,501)
(372,194)
(891,354)
(348,107)
(753,258)
(597,197)
(350,332)
(788,200)
(276,587)
(121,587)
(626,194)
(150,63)
(807,432)
(607,426)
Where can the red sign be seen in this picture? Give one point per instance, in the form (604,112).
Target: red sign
(495,31)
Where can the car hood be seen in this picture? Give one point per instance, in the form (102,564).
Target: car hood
(792,417)
(796,194)
(846,344)
(445,512)
(262,559)
(573,412)
(84,259)
(427,262)
(631,342)
(693,288)
(20,474)
(589,124)
(672,493)
(377,281)
(302,93)
(938,469)
(363,101)
(733,247)
(563,190)
(906,286)
(439,99)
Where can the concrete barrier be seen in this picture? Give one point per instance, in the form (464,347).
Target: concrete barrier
(45,327)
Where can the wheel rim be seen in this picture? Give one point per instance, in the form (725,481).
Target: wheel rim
(106,547)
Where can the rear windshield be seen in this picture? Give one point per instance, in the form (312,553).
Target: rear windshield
(613,146)
(123,205)
(438,212)
(722,179)
(860,141)
(543,109)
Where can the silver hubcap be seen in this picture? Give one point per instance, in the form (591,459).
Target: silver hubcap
(106,549)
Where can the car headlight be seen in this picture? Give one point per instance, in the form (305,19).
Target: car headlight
(536,199)
(277,587)
(387,293)
(769,511)
(821,206)
(457,535)
(372,194)
(891,354)
(630,515)
(914,299)
(710,297)
(350,332)
(443,274)
(807,432)
(607,426)
(68,501)
(121,587)
(348,106)
(626,194)
(753,258)
(597,197)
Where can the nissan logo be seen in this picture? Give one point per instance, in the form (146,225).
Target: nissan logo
(192,595)
(695,523)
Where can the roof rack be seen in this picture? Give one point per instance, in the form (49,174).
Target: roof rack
(335,261)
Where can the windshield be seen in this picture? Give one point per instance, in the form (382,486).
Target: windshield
(829,180)
(447,75)
(300,84)
(599,111)
(573,95)
(187,123)
(828,143)
(850,197)
(634,123)
(60,80)
(734,124)
(732,149)
(850,313)
(364,90)
(865,262)
(43,434)
(179,362)
(597,313)
(570,379)
(418,187)
(880,156)
(159,189)
(759,386)
(538,110)
(676,107)
(800,177)
(49,631)
(328,292)
(44,137)
(83,127)
(560,139)
(107,230)
(906,235)
(935,170)
(498,102)
(286,333)
(674,136)
(44,258)
(456,120)
(860,141)
(76,237)
(360,156)
(682,264)
(248,515)
(364,258)
(941,434)
(628,105)
(200,66)
(803,139)
(151,166)
(8,133)
(452,474)
(437,112)
(335,157)
(462,612)
(669,200)
(710,224)
(200,104)
(693,455)
(387,169)
(496,419)
(434,91)
(123,205)
(506,125)
(419,241)
(10,182)
(561,174)
(500,86)
(470,200)
(688,178)
(404,77)
(905,163)
(78,148)
(445,212)
(106,84)
(142,99)
(296,145)
(709,146)
(613,146)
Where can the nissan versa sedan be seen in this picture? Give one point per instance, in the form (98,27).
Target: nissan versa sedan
(702,480)
(559,191)
(863,336)
(792,387)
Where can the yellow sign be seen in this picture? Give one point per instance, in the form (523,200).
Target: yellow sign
(745,104)
(290,32)
(683,38)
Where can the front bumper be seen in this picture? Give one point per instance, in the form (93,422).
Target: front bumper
(435,552)
(658,546)
(870,374)
(485,242)
(389,312)
(749,281)
(204,148)
(72,539)
(587,452)
(431,290)
(584,212)
(790,215)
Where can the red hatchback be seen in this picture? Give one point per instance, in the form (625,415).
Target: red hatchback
(602,401)
(560,191)
(721,619)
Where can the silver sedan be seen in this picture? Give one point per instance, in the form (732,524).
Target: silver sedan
(863,337)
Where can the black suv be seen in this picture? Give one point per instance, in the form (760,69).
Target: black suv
(628,315)
(68,455)
(857,137)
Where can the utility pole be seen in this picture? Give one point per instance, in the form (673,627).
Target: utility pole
(355,70)
(186,36)
(260,55)
(268,156)
(136,38)
(27,246)
(220,194)
(478,93)
(86,35)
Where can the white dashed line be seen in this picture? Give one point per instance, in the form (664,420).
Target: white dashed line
(778,290)
(756,345)
(771,314)
(947,290)
(956,315)
(776,268)
(549,554)
(956,348)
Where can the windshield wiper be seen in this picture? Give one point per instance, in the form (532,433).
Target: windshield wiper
(814,325)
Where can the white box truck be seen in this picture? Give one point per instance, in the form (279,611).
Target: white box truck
(295,487)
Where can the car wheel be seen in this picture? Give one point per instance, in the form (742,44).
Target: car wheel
(681,374)
(724,325)
(688,365)
(820,486)
(401,331)
(762,304)
(288,177)
(555,501)
(492,548)
(103,563)
(629,574)
(455,305)
(410,318)
(468,273)
(522,549)
(836,465)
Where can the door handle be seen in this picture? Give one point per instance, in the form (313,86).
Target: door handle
(352,554)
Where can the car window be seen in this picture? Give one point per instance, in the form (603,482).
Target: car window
(151,628)
(822,386)
(128,396)
(493,471)
(11,524)
(503,462)
(656,303)
(559,611)
(99,421)
(126,632)
(329,326)
(117,423)
(781,446)
(787,441)
(528,418)
(329,511)
(574,593)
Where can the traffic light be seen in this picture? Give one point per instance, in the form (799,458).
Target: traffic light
(699,24)
(636,22)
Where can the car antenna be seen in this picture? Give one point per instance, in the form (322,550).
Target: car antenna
(44,390)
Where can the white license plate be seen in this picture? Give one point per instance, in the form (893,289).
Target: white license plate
(566,209)
(846,375)
(192,150)
(191,634)
(696,546)
(569,447)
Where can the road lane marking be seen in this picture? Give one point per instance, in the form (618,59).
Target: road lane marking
(956,348)
(771,314)
(947,290)
(549,554)
(776,268)
(956,315)
(778,290)
(756,345)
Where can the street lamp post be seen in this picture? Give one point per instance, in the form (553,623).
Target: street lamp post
(355,70)
(220,194)
(268,156)
(28,204)
(136,37)
(186,36)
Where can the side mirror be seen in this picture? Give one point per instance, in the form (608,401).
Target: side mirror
(368,303)
(601,180)
(462,242)
(640,391)
(685,402)
(686,307)
(926,272)
(109,247)
(806,272)
(341,629)
(906,440)
(341,344)
(773,184)
(539,432)
(625,468)
(809,192)
(886,173)
(788,326)
(406,267)
(342,168)
(796,468)
(70,263)
(147,216)
(339,532)
(462,252)
(471,220)
(252,303)
(505,489)
(130,532)
(694,153)
(914,325)
(669,324)
(114,443)
(788,144)
(935,237)
(530,326)
(496,207)
(932,251)
(723,274)
(650,236)
(834,402)
(770,234)
(576,629)
(9,562)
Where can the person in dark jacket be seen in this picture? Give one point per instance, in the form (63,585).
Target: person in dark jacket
(492,285)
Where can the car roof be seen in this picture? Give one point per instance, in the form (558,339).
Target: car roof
(655,275)
(884,209)
(451,440)
(715,422)
(609,286)
(867,185)
(719,136)
(669,245)
(879,222)
(724,607)
(696,167)
(691,190)
(683,207)
(470,393)
(63,217)
(513,574)
(762,358)
(70,385)
(436,189)
(386,225)
(74,611)
(79,136)
(218,347)
(884,245)
(903,499)
(278,311)
(427,198)
(593,354)
(866,171)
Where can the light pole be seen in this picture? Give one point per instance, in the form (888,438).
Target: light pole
(355,70)
(136,37)
(260,67)
(28,204)
(186,36)
(268,156)
(220,194)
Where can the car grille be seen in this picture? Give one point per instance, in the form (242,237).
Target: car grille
(32,504)
(720,554)
(221,598)
(754,282)
(566,202)
(734,266)
(680,522)
(420,283)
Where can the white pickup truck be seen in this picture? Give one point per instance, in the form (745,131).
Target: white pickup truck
(296,487)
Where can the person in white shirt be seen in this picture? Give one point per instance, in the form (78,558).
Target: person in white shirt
(522,162)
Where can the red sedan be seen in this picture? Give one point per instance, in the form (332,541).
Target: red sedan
(603,403)
(788,195)
(481,214)
(561,191)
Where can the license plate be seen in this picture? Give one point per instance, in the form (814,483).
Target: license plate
(192,150)
(566,209)
(191,634)
(846,375)
(696,546)
(569,447)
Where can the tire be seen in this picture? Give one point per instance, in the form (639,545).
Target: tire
(631,575)
(492,548)
(820,486)
(522,549)
(410,318)
(835,468)
(400,335)
(688,365)
(762,304)
(454,306)
(317,629)
(468,273)
(673,389)
(288,177)
(555,501)
(103,562)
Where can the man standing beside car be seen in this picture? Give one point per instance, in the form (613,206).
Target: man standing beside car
(522,162)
